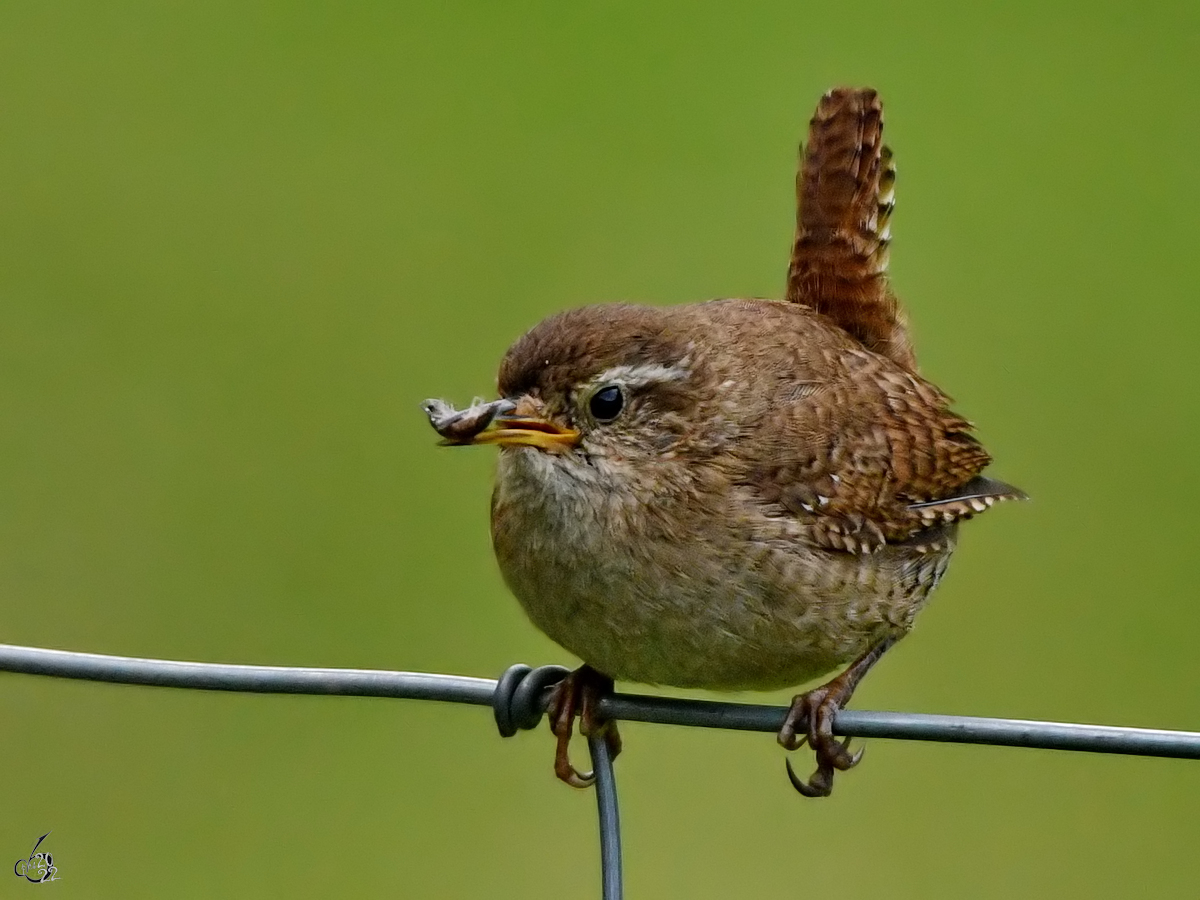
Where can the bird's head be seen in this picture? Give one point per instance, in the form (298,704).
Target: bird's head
(623,384)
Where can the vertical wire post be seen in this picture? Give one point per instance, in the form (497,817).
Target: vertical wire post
(610,819)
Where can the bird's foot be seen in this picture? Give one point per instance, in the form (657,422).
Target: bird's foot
(580,692)
(810,719)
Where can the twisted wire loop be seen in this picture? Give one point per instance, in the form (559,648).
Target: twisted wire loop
(519,700)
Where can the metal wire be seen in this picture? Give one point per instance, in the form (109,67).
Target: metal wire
(518,700)
(913,727)
(250,679)
(610,819)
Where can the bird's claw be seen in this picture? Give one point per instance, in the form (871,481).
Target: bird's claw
(819,785)
(810,720)
(580,692)
(562,723)
(844,760)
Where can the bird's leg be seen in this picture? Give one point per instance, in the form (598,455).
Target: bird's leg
(810,719)
(581,692)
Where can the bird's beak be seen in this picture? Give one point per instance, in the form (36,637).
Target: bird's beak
(503,422)
(528,431)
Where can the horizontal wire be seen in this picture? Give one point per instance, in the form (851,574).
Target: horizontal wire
(249,679)
(628,707)
(913,727)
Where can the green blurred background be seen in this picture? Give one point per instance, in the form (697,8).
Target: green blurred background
(239,242)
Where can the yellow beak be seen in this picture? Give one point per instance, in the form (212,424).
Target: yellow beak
(527,431)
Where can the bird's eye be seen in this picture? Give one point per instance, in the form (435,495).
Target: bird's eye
(606,404)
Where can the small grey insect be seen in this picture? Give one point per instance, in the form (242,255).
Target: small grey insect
(461,426)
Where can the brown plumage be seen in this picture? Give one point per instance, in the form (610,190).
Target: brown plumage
(739,493)
(844,201)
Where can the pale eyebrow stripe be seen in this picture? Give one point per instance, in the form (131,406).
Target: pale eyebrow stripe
(645,373)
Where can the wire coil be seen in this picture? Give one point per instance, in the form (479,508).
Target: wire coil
(519,700)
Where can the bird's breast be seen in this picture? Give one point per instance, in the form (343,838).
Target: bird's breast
(679,593)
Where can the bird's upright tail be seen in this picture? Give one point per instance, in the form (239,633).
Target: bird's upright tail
(845,196)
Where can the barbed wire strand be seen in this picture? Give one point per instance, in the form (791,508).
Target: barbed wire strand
(518,700)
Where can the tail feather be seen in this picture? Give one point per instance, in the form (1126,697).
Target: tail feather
(845,192)
(973,497)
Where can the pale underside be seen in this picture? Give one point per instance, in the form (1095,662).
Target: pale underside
(639,604)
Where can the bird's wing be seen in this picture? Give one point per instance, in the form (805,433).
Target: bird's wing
(845,196)
(871,454)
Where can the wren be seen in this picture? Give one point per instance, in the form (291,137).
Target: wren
(735,494)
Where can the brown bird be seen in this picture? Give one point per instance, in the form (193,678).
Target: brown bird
(737,494)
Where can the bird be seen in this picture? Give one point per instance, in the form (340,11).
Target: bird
(735,494)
